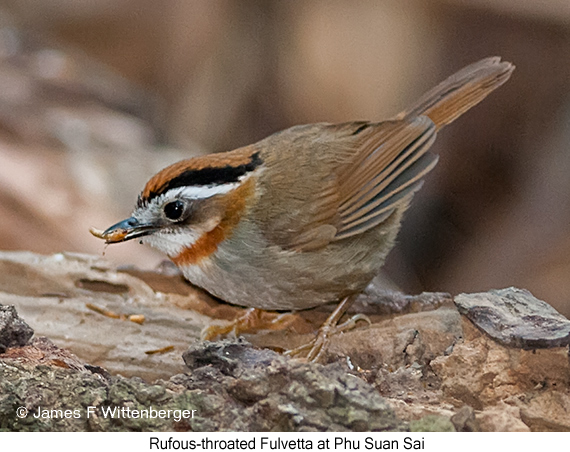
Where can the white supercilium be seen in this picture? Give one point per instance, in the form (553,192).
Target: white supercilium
(171,241)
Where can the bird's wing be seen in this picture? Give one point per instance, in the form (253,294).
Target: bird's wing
(374,167)
(387,164)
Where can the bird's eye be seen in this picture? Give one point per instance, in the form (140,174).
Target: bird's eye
(174,210)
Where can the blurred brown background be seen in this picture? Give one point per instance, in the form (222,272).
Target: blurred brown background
(97,95)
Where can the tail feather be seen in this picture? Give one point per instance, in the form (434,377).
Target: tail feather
(463,90)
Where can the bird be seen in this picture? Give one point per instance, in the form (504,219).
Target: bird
(307,215)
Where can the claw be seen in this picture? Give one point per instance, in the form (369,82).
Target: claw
(351,323)
(251,321)
(257,319)
(319,345)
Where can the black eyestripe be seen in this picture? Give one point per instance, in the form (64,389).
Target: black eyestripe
(206,177)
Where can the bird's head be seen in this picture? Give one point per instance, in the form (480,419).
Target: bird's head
(188,208)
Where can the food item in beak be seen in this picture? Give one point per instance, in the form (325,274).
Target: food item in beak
(116,235)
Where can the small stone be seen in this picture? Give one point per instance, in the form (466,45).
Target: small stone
(14,332)
(514,317)
(464,420)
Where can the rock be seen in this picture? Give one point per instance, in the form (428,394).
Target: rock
(55,388)
(377,299)
(42,352)
(242,389)
(545,410)
(464,420)
(432,363)
(400,340)
(14,332)
(498,381)
(432,424)
(273,392)
(501,418)
(515,318)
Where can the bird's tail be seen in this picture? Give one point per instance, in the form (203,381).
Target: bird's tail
(463,90)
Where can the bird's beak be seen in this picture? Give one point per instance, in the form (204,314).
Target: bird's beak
(125,230)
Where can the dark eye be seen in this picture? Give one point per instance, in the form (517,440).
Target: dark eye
(174,210)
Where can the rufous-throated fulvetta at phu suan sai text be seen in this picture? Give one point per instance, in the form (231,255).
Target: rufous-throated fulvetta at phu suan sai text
(307,215)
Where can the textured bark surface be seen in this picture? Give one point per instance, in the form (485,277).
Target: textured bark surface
(131,340)
(229,385)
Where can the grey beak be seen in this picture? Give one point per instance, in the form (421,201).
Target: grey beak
(125,230)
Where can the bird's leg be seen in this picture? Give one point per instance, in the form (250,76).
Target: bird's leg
(254,319)
(250,321)
(321,342)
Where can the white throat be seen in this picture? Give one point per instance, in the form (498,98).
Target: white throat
(172,244)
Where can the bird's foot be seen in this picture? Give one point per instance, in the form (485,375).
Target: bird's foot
(251,321)
(319,345)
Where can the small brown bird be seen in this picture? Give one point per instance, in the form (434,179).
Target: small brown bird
(307,215)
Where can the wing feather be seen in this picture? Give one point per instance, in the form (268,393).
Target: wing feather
(374,195)
(375,168)
(388,161)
